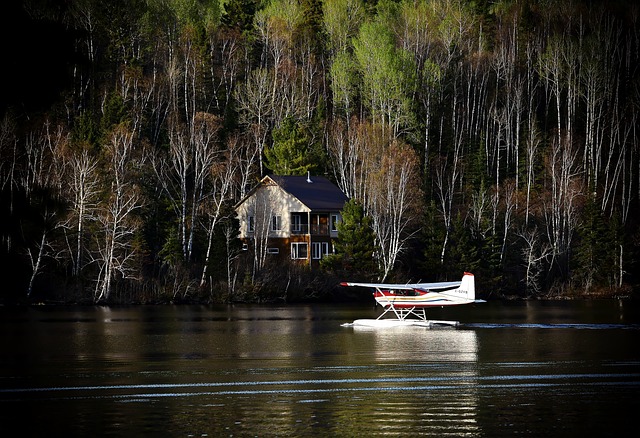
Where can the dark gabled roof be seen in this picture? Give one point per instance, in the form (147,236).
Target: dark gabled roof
(319,195)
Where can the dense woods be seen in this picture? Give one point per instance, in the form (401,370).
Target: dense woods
(497,137)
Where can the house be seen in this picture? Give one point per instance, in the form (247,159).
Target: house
(292,217)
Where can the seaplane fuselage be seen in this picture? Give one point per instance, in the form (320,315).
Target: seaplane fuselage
(411,300)
(417,298)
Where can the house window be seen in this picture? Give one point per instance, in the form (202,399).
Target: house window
(334,222)
(276,223)
(251,224)
(273,251)
(298,250)
(296,223)
(319,250)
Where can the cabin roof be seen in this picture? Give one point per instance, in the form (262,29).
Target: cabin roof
(316,192)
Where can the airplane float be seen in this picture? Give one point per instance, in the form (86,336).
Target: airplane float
(409,301)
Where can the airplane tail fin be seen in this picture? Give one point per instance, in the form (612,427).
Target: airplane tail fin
(467,288)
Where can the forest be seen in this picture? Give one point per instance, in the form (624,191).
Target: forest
(496,137)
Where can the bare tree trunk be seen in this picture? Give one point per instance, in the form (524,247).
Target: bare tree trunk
(36,263)
(531,152)
(447,174)
(232,256)
(262,212)
(84,189)
(561,208)
(115,252)
(221,183)
(248,158)
(394,203)
(256,109)
(510,196)
(534,254)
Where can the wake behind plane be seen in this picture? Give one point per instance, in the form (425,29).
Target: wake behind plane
(408,301)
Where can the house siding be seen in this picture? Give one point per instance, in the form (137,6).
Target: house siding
(274,201)
(269,199)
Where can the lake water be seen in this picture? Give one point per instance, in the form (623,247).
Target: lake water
(510,369)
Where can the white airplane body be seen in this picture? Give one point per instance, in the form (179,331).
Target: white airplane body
(411,299)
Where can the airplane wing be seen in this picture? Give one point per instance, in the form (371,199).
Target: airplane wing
(442,285)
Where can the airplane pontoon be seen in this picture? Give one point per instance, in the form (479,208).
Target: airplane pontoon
(409,301)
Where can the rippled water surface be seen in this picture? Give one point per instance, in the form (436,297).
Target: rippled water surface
(527,368)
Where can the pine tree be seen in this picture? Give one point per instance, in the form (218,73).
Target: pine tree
(430,238)
(355,246)
(289,153)
(595,259)
(239,14)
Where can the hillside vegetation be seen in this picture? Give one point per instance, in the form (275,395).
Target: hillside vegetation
(497,137)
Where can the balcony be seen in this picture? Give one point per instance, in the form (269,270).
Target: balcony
(299,229)
(319,229)
(319,224)
(316,229)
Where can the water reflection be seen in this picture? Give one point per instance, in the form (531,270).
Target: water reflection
(412,343)
(295,371)
(427,363)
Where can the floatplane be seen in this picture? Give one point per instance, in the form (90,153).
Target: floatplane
(409,301)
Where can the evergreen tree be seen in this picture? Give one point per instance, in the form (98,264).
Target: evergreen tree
(239,14)
(431,236)
(355,246)
(289,153)
(463,252)
(595,258)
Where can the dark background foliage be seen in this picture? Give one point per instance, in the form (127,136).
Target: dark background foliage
(516,122)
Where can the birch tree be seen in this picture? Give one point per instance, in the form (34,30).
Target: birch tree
(535,253)
(447,172)
(550,69)
(221,180)
(229,53)
(510,200)
(205,152)
(116,215)
(277,26)
(477,215)
(394,203)
(356,153)
(83,188)
(344,84)
(341,20)
(262,210)
(532,146)
(8,153)
(255,108)
(248,159)
(41,166)
(561,205)
(43,247)
(233,251)
(388,75)
(183,173)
